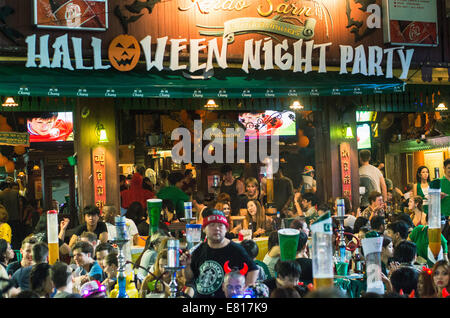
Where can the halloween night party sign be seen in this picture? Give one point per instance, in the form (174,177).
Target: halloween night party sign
(296,36)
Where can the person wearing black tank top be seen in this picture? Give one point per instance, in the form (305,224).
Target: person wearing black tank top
(233,187)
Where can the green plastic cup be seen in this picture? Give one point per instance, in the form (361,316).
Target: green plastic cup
(288,243)
(154,207)
(342,268)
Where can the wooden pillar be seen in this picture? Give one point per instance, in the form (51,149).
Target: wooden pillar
(329,134)
(101,111)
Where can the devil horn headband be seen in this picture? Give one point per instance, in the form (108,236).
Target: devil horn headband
(242,271)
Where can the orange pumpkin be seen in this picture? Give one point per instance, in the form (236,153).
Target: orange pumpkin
(124,52)
(9,167)
(303,141)
(20,150)
(3,160)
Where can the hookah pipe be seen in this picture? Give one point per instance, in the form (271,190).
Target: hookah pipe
(347,246)
(158,279)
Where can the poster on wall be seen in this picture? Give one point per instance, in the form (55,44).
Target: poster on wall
(410,22)
(71,14)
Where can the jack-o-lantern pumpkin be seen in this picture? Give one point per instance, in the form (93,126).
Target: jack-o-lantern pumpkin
(124,52)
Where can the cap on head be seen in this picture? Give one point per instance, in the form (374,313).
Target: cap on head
(214,216)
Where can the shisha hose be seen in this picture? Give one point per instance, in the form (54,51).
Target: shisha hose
(347,246)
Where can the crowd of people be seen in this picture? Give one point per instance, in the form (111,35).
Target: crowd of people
(224,264)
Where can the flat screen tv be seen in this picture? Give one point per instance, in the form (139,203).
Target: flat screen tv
(268,123)
(50,126)
(364,138)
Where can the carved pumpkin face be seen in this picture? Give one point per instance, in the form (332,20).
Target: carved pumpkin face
(124,52)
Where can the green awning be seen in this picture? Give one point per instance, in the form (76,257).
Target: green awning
(431,143)
(16,79)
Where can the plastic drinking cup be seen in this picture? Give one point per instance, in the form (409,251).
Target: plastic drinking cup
(154,207)
(342,268)
(288,239)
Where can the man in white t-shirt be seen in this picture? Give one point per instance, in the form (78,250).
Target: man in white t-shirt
(372,172)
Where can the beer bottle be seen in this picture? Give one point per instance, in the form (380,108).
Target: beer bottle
(357,262)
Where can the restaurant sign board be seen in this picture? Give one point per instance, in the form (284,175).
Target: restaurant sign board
(197,36)
(14,138)
(98,164)
(346,173)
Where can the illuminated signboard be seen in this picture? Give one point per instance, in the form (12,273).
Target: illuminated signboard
(72,14)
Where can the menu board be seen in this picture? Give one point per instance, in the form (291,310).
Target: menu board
(410,22)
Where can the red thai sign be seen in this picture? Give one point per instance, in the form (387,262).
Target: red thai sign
(98,165)
(346,173)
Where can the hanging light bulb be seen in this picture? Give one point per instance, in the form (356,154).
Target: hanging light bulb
(10,102)
(348,132)
(211,104)
(441,107)
(296,105)
(101,133)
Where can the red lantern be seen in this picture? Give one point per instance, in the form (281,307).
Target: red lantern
(303,141)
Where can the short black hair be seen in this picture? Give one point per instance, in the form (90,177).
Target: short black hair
(187,172)
(112,258)
(446,162)
(168,204)
(323,207)
(399,227)
(365,155)
(175,177)
(59,274)
(373,196)
(225,169)
(377,222)
(302,240)
(405,252)
(104,246)
(91,209)
(386,240)
(85,248)
(288,268)
(39,252)
(404,278)
(310,197)
(359,223)
(46,115)
(38,275)
(251,247)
